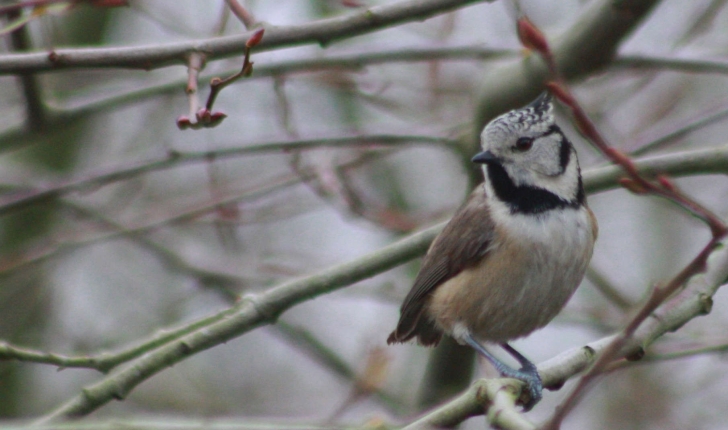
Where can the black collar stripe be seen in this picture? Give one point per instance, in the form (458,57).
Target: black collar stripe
(527,199)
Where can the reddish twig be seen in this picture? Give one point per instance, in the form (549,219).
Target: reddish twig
(206,117)
(532,38)
(217,84)
(634,182)
(241,13)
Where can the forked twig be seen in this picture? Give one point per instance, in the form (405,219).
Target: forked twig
(206,117)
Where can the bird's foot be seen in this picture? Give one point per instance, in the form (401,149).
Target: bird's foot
(528,373)
(533,386)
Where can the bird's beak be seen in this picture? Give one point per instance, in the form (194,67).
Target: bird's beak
(485,157)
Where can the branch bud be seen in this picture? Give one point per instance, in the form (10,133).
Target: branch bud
(255,38)
(183,122)
(216,118)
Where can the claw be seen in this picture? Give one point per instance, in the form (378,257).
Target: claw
(533,386)
(528,373)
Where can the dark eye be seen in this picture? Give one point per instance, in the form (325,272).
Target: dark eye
(523,144)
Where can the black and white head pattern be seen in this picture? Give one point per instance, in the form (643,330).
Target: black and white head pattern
(533,166)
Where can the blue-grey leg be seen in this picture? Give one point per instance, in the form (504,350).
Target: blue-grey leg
(527,373)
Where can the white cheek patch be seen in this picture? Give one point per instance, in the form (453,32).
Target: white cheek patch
(565,185)
(544,158)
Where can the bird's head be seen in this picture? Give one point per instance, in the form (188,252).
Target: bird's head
(532,150)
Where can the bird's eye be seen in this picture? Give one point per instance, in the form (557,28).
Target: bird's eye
(523,144)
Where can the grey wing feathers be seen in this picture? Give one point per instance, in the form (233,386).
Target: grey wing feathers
(454,250)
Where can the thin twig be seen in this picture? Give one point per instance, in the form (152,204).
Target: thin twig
(677,131)
(242,14)
(227,285)
(195,64)
(104,362)
(36,255)
(310,345)
(217,84)
(177,159)
(35,110)
(674,355)
(678,64)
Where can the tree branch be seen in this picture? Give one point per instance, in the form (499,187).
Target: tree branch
(356,61)
(497,396)
(322,32)
(264,308)
(176,159)
(251,312)
(703,161)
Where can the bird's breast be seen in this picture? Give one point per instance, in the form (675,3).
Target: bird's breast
(533,267)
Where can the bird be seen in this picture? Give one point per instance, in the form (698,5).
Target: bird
(513,254)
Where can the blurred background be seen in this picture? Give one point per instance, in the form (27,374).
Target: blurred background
(103,266)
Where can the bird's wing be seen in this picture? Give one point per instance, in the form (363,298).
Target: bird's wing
(464,242)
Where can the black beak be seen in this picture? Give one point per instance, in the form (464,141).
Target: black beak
(485,157)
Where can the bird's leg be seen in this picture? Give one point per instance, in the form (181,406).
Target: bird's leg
(527,373)
(533,379)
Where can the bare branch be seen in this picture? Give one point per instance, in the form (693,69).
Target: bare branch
(169,422)
(357,61)
(677,131)
(251,312)
(176,159)
(322,32)
(206,117)
(497,396)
